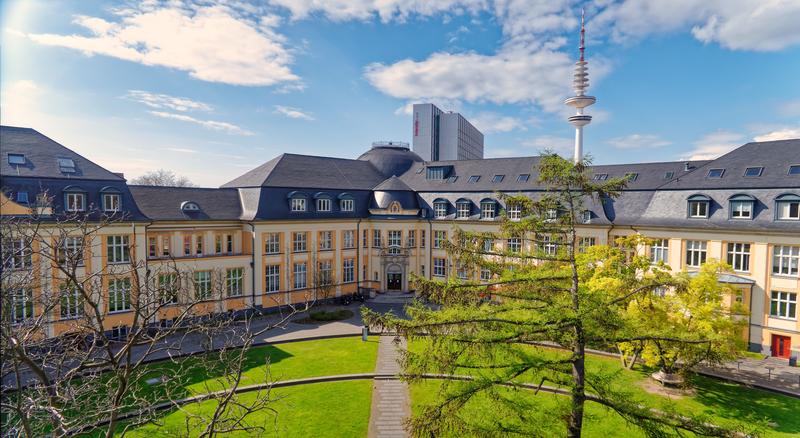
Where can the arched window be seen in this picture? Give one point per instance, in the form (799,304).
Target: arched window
(787,207)
(346,202)
(463,208)
(111,199)
(440,208)
(324,203)
(394,207)
(698,206)
(741,206)
(488,208)
(298,202)
(74,199)
(188,206)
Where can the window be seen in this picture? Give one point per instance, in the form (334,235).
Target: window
(523,177)
(21,305)
(187,244)
(739,256)
(16,254)
(695,253)
(298,204)
(347,205)
(486,274)
(440,209)
(299,275)
(218,244)
(435,173)
(76,201)
(395,238)
(439,267)
(794,169)
(785,259)
(753,171)
(715,173)
(452,179)
(698,206)
(272,243)
(488,245)
(462,273)
(584,243)
(273,278)
(348,239)
(325,240)
(788,207)
(323,204)
(551,214)
(741,209)
(189,206)
(411,242)
(71,251)
(422,238)
(299,241)
(119,333)
(165,246)
(348,270)
(66,165)
(474,178)
(659,251)
(439,237)
(233,281)
(117,249)
(488,209)
(549,246)
(71,302)
(325,273)
(631,176)
(498,178)
(600,176)
(514,212)
(229,243)
(376,239)
(202,285)
(669,175)
(783,305)
(463,210)
(112,202)
(514,244)
(586,216)
(168,288)
(364,240)
(16,159)
(22,197)
(119,295)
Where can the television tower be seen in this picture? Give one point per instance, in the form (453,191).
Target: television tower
(580,101)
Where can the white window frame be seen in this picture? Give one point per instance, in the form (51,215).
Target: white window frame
(739,256)
(486,274)
(168,287)
(117,249)
(347,205)
(325,240)
(272,278)
(784,210)
(659,251)
(514,244)
(439,237)
(22,305)
(300,275)
(348,270)
(411,239)
(272,243)
(463,210)
(324,204)
(119,295)
(71,201)
(202,285)
(71,303)
(112,202)
(548,245)
(395,238)
(695,210)
(439,210)
(786,260)
(234,281)
(439,267)
(741,209)
(488,210)
(696,252)
(300,241)
(783,305)
(325,268)
(377,241)
(17,254)
(348,239)
(514,212)
(298,205)
(585,242)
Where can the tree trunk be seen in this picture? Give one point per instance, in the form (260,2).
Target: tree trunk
(579,386)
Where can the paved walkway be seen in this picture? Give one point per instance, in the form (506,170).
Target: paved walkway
(390,399)
(770,373)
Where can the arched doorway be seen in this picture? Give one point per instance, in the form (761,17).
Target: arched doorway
(394,277)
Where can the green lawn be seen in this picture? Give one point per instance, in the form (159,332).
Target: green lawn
(319,410)
(725,403)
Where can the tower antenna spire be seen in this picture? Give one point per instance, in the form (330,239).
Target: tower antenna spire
(580,101)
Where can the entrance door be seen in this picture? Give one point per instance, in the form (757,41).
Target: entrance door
(394,281)
(781,346)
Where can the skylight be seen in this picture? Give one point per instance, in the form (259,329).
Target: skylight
(498,178)
(474,178)
(669,175)
(715,173)
(22,197)
(189,206)
(753,171)
(16,159)
(794,169)
(452,179)
(523,177)
(66,165)
(600,176)
(631,176)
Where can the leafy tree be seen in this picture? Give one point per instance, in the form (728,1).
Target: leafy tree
(532,322)
(162,177)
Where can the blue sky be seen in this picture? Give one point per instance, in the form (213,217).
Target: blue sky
(211,90)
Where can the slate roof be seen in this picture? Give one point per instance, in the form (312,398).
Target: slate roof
(41,154)
(164,203)
(393,184)
(390,160)
(306,171)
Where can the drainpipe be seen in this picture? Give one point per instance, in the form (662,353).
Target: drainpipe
(252,266)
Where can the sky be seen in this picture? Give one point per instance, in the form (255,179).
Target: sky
(211,90)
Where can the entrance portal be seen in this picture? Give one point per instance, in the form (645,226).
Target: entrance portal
(394,281)
(781,346)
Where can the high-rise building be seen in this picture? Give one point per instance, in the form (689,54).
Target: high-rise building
(440,135)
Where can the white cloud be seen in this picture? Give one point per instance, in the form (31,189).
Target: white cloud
(761,25)
(443,104)
(183,150)
(164,101)
(211,43)
(714,145)
(780,134)
(292,113)
(386,10)
(18,103)
(488,122)
(638,141)
(210,124)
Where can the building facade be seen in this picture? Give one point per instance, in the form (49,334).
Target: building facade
(440,135)
(371,222)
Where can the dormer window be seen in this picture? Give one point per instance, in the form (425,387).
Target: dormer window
(699,206)
(742,206)
(346,205)
(75,201)
(439,208)
(111,202)
(436,172)
(753,171)
(514,212)
(551,215)
(488,209)
(463,209)
(324,204)
(66,165)
(297,202)
(16,159)
(787,207)
(715,173)
(22,197)
(498,178)
(189,206)
(586,216)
